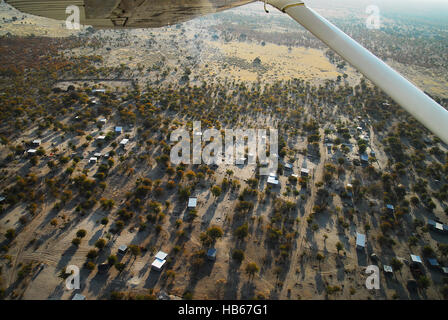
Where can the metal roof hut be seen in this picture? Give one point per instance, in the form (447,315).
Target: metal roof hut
(160,260)
(118,130)
(122,249)
(158,264)
(272,179)
(304,172)
(192,203)
(364,158)
(78,296)
(211,254)
(433,262)
(388,269)
(124,142)
(416,259)
(360,241)
(390,208)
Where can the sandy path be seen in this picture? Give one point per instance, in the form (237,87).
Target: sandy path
(291,276)
(24,238)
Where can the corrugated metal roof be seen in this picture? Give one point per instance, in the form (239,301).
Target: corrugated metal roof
(360,239)
(192,202)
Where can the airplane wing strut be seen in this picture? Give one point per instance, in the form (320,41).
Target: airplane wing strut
(432,115)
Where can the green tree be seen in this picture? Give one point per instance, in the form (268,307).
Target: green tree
(396,264)
(251,269)
(423,282)
(112,259)
(76,241)
(339,246)
(135,250)
(215,232)
(242,231)
(216,191)
(238,255)
(100,243)
(81,233)
(120,266)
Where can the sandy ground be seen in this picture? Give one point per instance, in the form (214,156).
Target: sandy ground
(305,278)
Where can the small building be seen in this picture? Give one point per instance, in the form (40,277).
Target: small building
(99,91)
(93,160)
(416,259)
(433,262)
(97,154)
(295,175)
(359,128)
(192,202)
(198,134)
(161,255)
(288,166)
(211,254)
(124,142)
(78,296)
(118,130)
(2,198)
(437,226)
(390,208)
(101,138)
(158,264)
(272,179)
(122,249)
(37,142)
(31,152)
(372,154)
(103,121)
(388,269)
(360,241)
(364,158)
(445,270)
(304,172)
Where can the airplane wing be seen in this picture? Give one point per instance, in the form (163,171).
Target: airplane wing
(127,13)
(431,114)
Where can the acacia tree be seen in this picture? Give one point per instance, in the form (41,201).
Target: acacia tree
(251,269)
(216,191)
(135,250)
(396,264)
(339,246)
